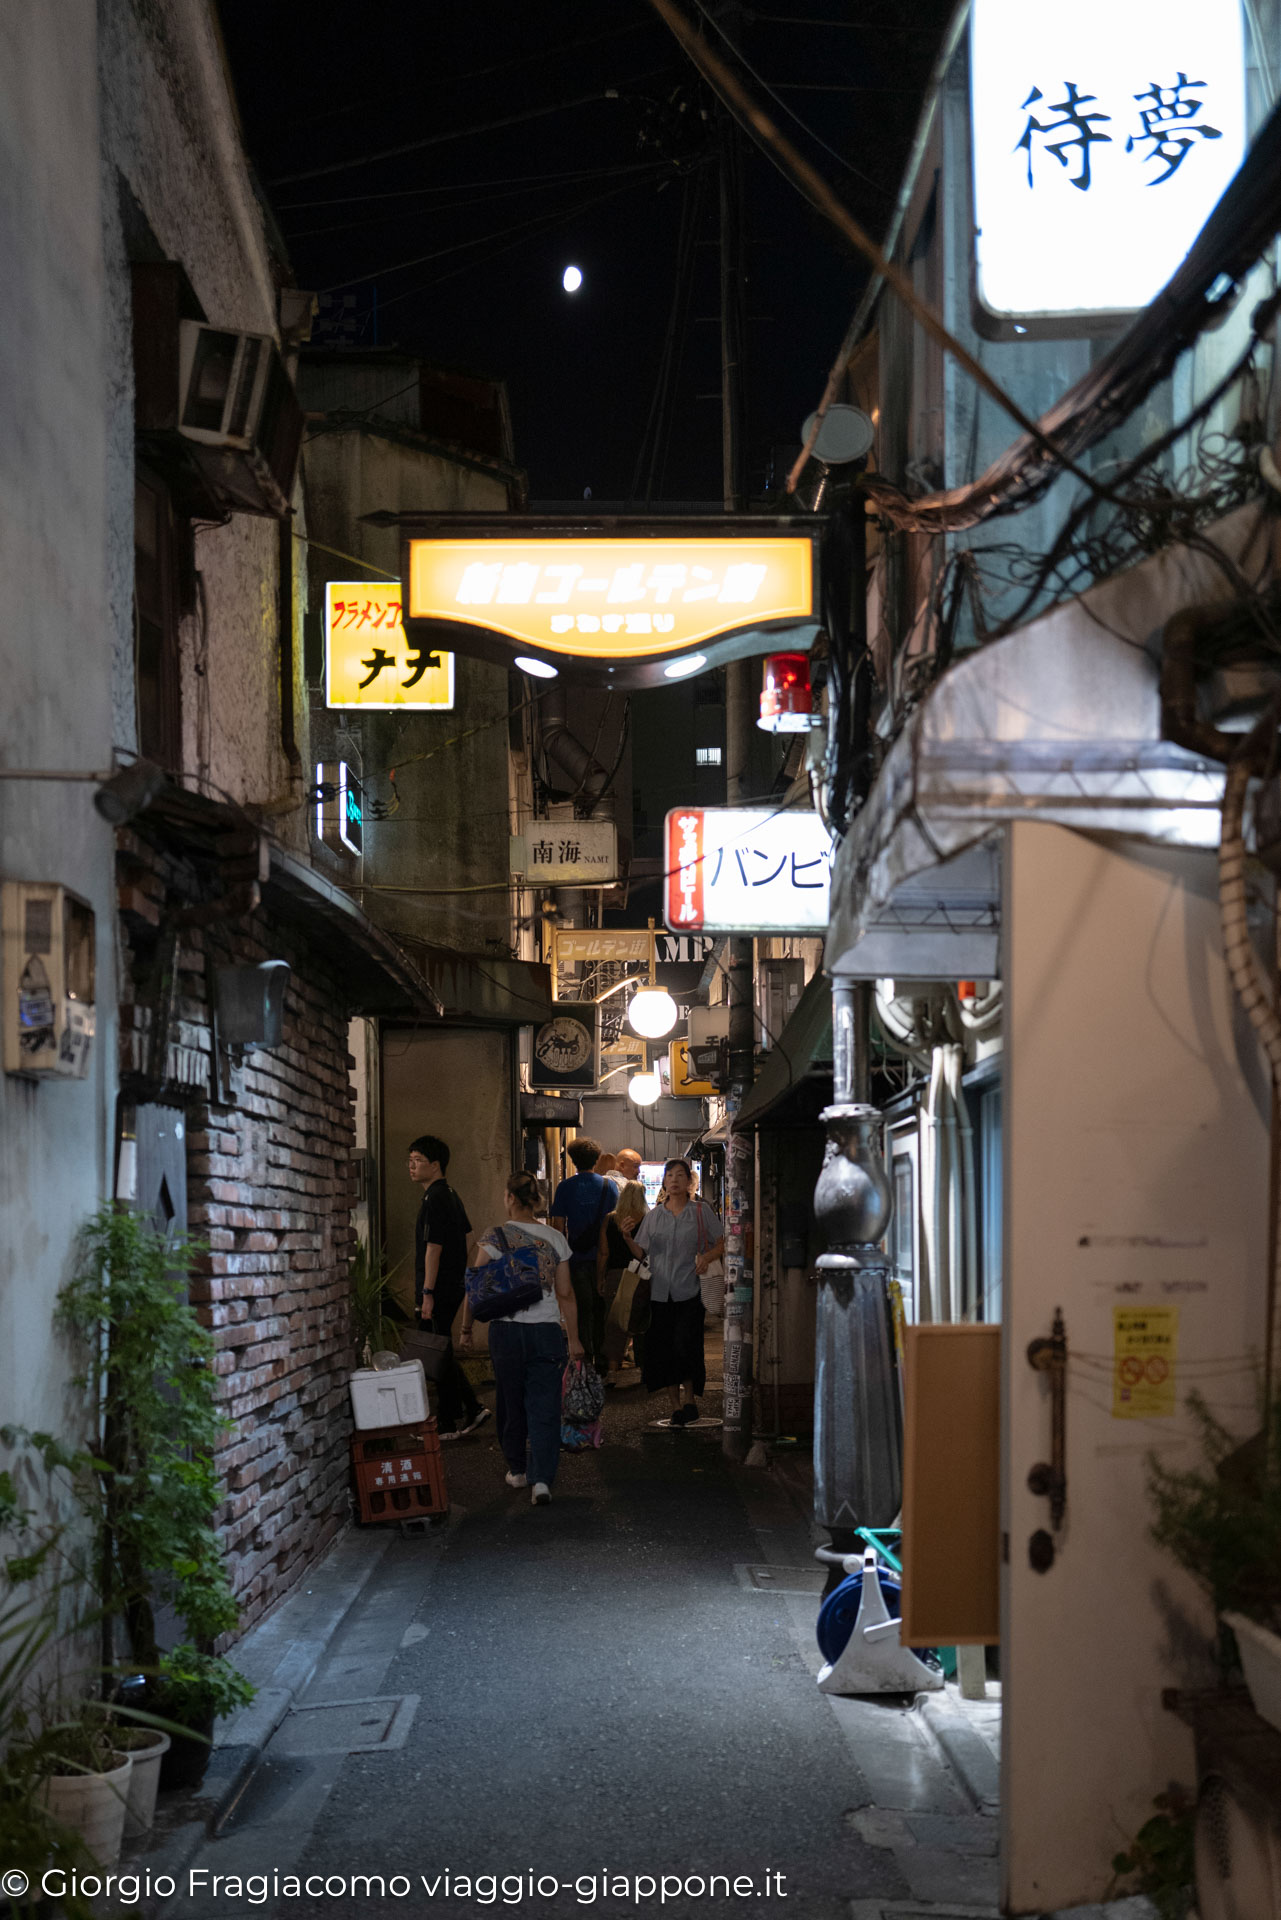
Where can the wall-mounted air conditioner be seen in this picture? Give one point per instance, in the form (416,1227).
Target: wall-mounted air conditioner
(48,934)
(237,404)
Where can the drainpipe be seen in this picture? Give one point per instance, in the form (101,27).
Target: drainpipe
(858,1440)
(567,750)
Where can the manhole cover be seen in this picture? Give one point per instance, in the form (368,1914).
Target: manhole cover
(346,1726)
(788,1579)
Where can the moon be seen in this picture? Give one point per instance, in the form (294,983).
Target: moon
(571,279)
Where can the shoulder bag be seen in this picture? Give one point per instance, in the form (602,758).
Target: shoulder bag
(506,1283)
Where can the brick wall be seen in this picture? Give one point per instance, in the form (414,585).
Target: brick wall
(270,1190)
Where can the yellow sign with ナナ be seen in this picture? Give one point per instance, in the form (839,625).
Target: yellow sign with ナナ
(1145,1345)
(369,659)
(612,599)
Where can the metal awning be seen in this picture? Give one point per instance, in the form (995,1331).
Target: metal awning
(796,1077)
(475,989)
(378,974)
(1060,722)
(381,973)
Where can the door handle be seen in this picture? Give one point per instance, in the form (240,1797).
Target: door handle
(1048,1478)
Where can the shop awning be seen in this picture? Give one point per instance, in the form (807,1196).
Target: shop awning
(378,973)
(474,989)
(796,1078)
(381,973)
(1060,722)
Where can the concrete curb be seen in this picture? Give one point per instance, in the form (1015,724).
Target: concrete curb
(280,1655)
(963,1749)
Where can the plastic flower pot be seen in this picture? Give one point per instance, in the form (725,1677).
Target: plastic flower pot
(1260,1651)
(184,1762)
(93,1805)
(147,1748)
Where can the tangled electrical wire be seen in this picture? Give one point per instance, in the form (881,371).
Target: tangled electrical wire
(1150,508)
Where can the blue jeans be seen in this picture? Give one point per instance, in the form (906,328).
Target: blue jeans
(529,1366)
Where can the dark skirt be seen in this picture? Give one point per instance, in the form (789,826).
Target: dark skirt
(674,1345)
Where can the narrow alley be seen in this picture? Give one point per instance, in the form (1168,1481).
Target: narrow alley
(642,717)
(604,1692)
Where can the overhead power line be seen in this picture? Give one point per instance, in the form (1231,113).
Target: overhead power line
(809,182)
(618,92)
(765,87)
(443,139)
(518,181)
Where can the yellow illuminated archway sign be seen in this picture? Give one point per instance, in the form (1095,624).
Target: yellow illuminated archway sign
(618,602)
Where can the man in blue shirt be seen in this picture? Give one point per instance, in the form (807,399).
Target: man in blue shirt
(578,1210)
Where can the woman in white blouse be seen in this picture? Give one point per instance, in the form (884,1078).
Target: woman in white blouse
(682,1235)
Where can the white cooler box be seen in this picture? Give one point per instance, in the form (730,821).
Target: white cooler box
(391,1397)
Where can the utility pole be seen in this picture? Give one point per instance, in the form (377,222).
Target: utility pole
(740,1151)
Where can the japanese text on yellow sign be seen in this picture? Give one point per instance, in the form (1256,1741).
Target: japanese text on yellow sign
(611,599)
(1145,1357)
(369,661)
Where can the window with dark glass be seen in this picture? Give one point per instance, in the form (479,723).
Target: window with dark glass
(156,657)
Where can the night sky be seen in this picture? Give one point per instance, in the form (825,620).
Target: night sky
(489,215)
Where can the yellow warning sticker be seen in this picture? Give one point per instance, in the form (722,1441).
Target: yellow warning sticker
(1145,1355)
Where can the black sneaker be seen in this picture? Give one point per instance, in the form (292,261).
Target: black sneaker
(478,1419)
(684,1416)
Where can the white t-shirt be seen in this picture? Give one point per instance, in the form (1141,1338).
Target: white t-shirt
(547,1310)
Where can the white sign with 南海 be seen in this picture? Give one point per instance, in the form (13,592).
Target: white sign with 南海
(562,852)
(1103,134)
(747,870)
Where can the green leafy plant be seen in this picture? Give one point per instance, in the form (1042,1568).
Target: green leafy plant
(36,1622)
(375,1329)
(1222,1519)
(151,1487)
(1160,1860)
(195,1685)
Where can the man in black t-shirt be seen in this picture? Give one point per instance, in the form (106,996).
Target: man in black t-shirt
(440,1261)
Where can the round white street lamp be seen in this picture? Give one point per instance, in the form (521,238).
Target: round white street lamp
(651,1013)
(643,1089)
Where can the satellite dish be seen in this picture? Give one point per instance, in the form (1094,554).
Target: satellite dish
(846,434)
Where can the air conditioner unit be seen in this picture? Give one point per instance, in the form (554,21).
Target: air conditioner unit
(237,406)
(48,934)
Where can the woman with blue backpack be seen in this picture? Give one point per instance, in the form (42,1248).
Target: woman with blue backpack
(519,1285)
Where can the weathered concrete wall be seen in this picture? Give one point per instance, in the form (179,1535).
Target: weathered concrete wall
(452,826)
(176,185)
(56,709)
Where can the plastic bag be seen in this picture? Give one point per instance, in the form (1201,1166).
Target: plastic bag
(582,1395)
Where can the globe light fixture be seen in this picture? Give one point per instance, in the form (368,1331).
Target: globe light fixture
(643,1089)
(651,1013)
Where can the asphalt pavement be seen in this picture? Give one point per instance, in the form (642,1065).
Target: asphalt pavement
(603,1706)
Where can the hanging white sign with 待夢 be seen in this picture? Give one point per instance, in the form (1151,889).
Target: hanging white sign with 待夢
(1104,132)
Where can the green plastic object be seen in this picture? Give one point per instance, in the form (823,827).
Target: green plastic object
(876,1538)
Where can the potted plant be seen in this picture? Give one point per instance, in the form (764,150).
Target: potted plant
(45,1820)
(152,1489)
(146,1747)
(84,1777)
(196,1690)
(373,1307)
(1222,1521)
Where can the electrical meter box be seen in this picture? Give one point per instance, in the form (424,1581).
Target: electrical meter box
(48,935)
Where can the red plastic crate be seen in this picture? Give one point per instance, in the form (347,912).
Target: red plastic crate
(382,1443)
(403,1503)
